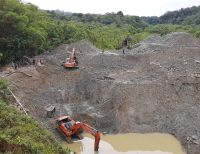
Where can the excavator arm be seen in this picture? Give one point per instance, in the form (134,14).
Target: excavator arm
(93,132)
(72,55)
(71,62)
(87,128)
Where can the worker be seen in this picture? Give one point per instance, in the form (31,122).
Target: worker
(125,42)
(15,66)
(124,45)
(34,61)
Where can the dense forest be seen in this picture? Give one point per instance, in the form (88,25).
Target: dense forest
(27,31)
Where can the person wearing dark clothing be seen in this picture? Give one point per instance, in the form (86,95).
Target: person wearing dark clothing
(15,65)
(33,61)
(125,43)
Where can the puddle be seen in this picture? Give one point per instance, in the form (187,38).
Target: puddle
(130,143)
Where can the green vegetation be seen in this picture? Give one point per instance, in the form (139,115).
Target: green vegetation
(187,16)
(27,30)
(183,20)
(23,132)
(106,37)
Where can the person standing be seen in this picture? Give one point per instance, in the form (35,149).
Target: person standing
(124,45)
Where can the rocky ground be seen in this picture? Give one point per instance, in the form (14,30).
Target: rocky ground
(153,87)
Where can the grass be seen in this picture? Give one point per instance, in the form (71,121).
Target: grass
(24,132)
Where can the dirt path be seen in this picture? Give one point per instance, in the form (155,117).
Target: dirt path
(154,87)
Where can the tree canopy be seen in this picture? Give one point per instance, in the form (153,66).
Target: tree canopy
(27,31)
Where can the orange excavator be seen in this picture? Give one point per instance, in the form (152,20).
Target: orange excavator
(70,128)
(71,62)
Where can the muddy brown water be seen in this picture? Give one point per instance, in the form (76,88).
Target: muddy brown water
(130,143)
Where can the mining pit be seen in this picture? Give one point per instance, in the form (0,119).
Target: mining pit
(153,87)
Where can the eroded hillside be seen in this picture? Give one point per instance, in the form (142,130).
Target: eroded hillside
(153,87)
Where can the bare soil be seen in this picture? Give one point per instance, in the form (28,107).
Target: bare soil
(153,87)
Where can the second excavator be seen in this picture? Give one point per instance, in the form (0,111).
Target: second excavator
(71,62)
(70,128)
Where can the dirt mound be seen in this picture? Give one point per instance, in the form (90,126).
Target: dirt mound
(173,39)
(181,39)
(154,87)
(156,38)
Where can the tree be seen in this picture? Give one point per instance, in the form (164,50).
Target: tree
(120,13)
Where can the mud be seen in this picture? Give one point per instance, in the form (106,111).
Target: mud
(154,87)
(130,144)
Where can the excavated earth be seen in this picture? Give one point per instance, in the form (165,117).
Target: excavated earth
(153,87)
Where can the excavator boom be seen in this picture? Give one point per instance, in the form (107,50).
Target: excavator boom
(93,132)
(72,55)
(87,128)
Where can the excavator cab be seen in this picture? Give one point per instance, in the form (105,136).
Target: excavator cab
(65,126)
(72,62)
(70,129)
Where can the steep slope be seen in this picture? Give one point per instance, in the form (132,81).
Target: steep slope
(154,87)
(22,134)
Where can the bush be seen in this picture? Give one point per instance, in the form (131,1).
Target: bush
(16,128)
(24,132)
(139,37)
(197,34)
(4,92)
